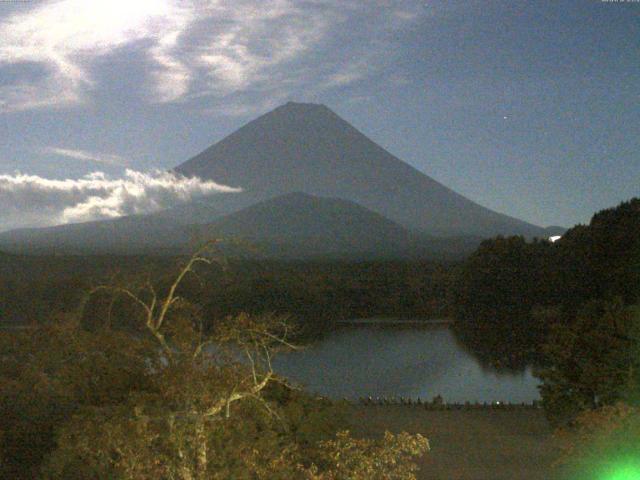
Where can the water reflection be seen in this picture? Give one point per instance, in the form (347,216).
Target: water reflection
(375,361)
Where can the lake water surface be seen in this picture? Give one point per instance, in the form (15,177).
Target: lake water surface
(363,361)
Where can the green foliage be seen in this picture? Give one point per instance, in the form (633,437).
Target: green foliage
(170,398)
(49,373)
(602,260)
(593,350)
(149,438)
(317,291)
(314,293)
(502,278)
(552,305)
(592,361)
(387,459)
(493,296)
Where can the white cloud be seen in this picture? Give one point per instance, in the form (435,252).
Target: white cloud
(259,37)
(351,72)
(83,155)
(64,35)
(31,200)
(197,47)
(52,92)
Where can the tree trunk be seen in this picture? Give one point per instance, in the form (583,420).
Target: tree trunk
(201,449)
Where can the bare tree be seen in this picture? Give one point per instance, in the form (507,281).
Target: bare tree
(231,364)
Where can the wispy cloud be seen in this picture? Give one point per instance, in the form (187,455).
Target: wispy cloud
(196,48)
(83,155)
(349,73)
(31,200)
(65,36)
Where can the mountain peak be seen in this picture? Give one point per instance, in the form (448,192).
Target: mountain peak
(301,111)
(303,105)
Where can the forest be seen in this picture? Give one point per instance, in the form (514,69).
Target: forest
(530,293)
(315,294)
(160,393)
(95,325)
(571,308)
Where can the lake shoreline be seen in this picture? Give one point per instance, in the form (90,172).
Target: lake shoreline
(396,321)
(391,362)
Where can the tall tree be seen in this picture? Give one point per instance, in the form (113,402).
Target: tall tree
(493,295)
(592,361)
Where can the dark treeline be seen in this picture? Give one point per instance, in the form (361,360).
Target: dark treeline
(33,288)
(323,292)
(567,307)
(315,294)
(497,298)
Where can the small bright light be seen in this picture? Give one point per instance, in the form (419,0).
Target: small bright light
(555,238)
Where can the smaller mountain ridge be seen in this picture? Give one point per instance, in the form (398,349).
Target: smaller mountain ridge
(302,225)
(160,232)
(291,226)
(131,234)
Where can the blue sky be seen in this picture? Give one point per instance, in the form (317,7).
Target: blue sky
(531,108)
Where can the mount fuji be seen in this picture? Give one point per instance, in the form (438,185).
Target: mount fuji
(348,189)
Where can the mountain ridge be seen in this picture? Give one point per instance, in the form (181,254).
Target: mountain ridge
(291,226)
(298,225)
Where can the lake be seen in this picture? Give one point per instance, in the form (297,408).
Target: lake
(383,361)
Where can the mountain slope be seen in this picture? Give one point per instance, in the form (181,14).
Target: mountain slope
(290,226)
(165,231)
(302,225)
(134,234)
(299,225)
(310,149)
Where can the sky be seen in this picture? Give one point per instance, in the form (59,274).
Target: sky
(530,108)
